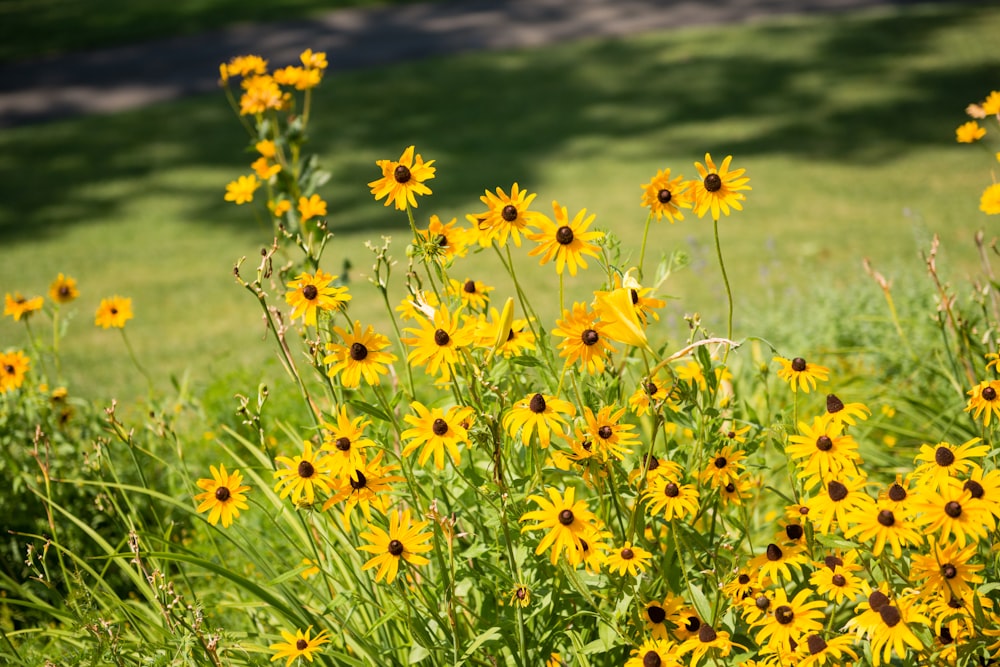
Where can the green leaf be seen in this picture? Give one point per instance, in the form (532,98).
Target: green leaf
(492,634)
(371,411)
(701,604)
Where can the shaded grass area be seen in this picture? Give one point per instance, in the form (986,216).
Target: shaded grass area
(847,135)
(32,28)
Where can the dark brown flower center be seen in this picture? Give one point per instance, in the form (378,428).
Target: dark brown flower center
(816,644)
(395,547)
(301,645)
(441,337)
(784,614)
(720,462)
(469,287)
(833,562)
(953,509)
(833,404)
(222,494)
(774,552)
(730,488)
(838,580)
(974,488)
(605,432)
(713,183)
(343,444)
(537,404)
(521,592)
(793,531)
(564,235)
(743,579)
(650,388)
(652,463)
(762,602)
(440,426)
(656,614)
(64,290)
(890,615)
(877,600)
(114,311)
(886,518)
(310,292)
(9,369)
(706,634)
(510,334)
(955,603)
(949,571)
(989,393)
(693,623)
(361,481)
(587,445)
(358,351)
(509,213)
(589,337)
(651,659)
(897,493)
(798,364)
(401,174)
(566,517)
(306,469)
(824,443)
(634,294)
(945,636)
(664,196)
(836,491)
(627,554)
(671,490)
(442,241)
(944,457)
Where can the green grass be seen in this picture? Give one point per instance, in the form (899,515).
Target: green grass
(32,28)
(846,133)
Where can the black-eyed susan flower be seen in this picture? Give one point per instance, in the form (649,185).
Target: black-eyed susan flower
(567,521)
(846,413)
(655,653)
(63,289)
(405,540)
(367,487)
(984,487)
(657,614)
(359,354)
(311,293)
(945,570)
(299,645)
(520,596)
(537,413)
(718,189)
(665,196)
(18,306)
(717,643)
(402,179)
(816,651)
(984,399)
(620,319)
(969,132)
(437,343)
(505,217)
(436,431)
(790,620)
(311,207)
(822,449)
(724,467)
(13,368)
(518,339)
(447,240)
(735,492)
(800,374)
(302,475)
(836,578)
(114,312)
(667,497)
(880,525)
(775,563)
(944,462)
(834,504)
(611,437)
(224,496)
(241,190)
(261,94)
(650,392)
(951,512)
(472,293)
(345,444)
(739,586)
(583,340)
(989,202)
(893,633)
(593,548)
(565,241)
(630,560)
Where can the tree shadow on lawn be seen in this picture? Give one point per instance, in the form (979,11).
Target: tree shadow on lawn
(863,92)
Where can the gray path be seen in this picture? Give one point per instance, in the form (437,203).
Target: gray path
(130,77)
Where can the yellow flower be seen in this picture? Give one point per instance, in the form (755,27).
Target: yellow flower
(818,652)
(368,487)
(447,240)
(658,652)
(280,207)
(989,203)
(420,304)
(520,596)
(541,413)
(360,355)
(800,374)
(518,339)
(629,560)
(985,397)
(114,312)
(345,445)
(666,496)
(403,179)
(567,521)
(267,148)
(404,541)
(13,367)
(952,512)
(260,94)
(299,645)
(311,207)
(991,106)
(224,496)
(566,242)
(583,339)
(313,60)
(946,570)
(437,343)
(436,431)
(302,475)
(791,620)
(505,216)
(823,449)
(246,65)
(264,168)
(620,319)
(969,132)
(610,437)
(473,293)
(718,189)
(241,190)
(892,631)
(310,293)
(18,306)
(665,196)
(944,461)
(63,289)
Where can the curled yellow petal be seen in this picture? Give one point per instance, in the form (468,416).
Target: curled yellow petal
(620,319)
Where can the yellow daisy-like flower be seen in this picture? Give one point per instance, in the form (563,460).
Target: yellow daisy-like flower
(970,132)
(566,519)
(984,399)
(845,413)
(800,374)
(883,525)
(17,306)
(224,496)
(313,60)
(892,632)
(823,449)
(835,503)
(404,541)
(991,107)
(629,560)
(260,94)
(63,289)
(818,652)
(299,645)
(944,461)
(473,293)
(581,331)
(367,487)
(643,303)
(520,596)
(345,445)
(670,499)
(448,240)
(246,65)
(946,570)
(311,207)
(113,312)
(437,431)
(437,343)
(403,179)
(13,368)
(776,563)
(360,355)
(611,437)
(836,579)
(707,639)
(719,189)
(537,413)
(280,207)
(264,168)
(310,293)
(302,475)
(665,196)
(724,468)
(566,242)
(791,620)
(241,190)
(655,652)
(989,203)
(506,216)
(951,512)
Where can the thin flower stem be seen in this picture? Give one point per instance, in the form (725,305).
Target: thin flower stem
(729,291)
(642,249)
(508,264)
(562,294)
(135,360)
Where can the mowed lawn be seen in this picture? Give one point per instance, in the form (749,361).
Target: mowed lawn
(844,123)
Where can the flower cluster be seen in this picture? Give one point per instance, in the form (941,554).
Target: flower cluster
(972,132)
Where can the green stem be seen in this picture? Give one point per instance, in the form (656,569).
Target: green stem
(642,249)
(135,361)
(729,291)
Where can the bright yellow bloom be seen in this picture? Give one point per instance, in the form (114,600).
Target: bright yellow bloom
(718,189)
(310,293)
(648,394)
(705,640)
(260,94)
(566,242)
(114,312)
(616,310)
(13,368)
(989,203)
(403,179)
(505,216)
(848,413)
(567,521)
(367,487)
(946,570)
(836,579)
(360,355)
(892,631)
(241,190)
(991,106)
(18,306)
(629,560)
(791,620)
(724,467)
(472,293)
(436,430)
(63,289)
(537,413)
(665,196)
(665,496)
(659,652)
(345,445)
(223,497)
(823,449)
(447,240)
(267,148)
(883,525)
(818,652)
(944,461)
(610,437)
(299,645)
(302,475)
(518,340)
(246,65)
(313,60)
(520,596)
(985,397)
(969,132)
(438,342)
(800,374)
(952,512)
(311,207)
(404,541)
(775,563)
(836,502)
(643,303)
(280,207)
(583,339)
(264,168)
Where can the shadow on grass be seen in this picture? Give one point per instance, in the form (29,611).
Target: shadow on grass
(856,89)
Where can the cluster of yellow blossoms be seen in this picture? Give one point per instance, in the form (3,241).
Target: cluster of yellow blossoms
(971,132)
